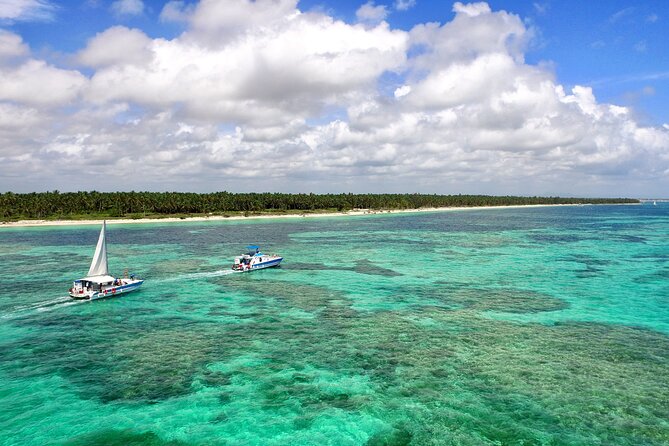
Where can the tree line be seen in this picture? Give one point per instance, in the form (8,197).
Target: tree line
(46,205)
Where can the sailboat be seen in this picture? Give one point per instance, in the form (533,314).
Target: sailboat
(98,283)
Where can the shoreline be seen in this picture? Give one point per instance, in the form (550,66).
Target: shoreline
(352,213)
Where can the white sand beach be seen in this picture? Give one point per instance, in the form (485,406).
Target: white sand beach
(352,213)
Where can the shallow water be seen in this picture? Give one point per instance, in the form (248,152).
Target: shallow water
(537,326)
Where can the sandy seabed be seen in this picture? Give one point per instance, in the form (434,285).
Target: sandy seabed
(356,212)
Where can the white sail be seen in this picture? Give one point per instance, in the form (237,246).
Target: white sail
(99,264)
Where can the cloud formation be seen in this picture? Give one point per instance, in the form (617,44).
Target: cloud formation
(259,95)
(26,10)
(369,12)
(404,5)
(176,11)
(127,7)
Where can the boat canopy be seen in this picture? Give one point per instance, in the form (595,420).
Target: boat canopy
(253,249)
(98,279)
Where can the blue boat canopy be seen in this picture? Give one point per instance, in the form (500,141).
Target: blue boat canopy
(253,249)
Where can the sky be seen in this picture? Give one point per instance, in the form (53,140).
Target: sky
(512,97)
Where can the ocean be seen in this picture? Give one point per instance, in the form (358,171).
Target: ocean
(515,326)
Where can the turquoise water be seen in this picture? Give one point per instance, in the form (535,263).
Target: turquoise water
(535,326)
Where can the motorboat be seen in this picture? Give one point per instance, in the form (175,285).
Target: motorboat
(98,283)
(254,259)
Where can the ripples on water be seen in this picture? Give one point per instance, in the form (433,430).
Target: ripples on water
(544,326)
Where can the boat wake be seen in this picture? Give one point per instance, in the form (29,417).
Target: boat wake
(203,275)
(66,301)
(47,305)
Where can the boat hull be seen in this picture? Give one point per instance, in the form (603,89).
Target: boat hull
(108,292)
(268,264)
(255,266)
(254,259)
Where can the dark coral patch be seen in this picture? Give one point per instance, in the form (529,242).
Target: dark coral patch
(113,437)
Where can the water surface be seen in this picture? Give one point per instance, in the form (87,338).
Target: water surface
(535,326)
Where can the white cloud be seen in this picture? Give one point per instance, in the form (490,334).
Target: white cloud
(38,84)
(117,46)
(11,46)
(404,5)
(214,22)
(371,13)
(27,10)
(471,9)
(18,125)
(402,91)
(255,83)
(127,7)
(311,61)
(176,11)
(470,34)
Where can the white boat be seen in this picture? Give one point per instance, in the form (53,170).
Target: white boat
(254,259)
(99,283)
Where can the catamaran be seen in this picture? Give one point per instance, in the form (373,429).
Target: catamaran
(254,259)
(99,283)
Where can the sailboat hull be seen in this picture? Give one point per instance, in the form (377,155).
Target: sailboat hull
(111,291)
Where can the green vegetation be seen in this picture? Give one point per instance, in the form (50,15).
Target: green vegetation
(81,205)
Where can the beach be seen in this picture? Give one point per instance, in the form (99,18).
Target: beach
(352,213)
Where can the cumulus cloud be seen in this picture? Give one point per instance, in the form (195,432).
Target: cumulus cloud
(176,11)
(371,13)
(305,96)
(275,75)
(471,9)
(36,83)
(474,31)
(117,46)
(214,22)
(24,80)
(11,46)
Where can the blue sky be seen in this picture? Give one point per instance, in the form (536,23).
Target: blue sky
(610,58)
